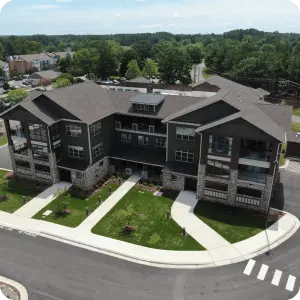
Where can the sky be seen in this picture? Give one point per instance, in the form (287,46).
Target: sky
(27,17)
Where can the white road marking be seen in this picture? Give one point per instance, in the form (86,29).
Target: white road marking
(290,283)
(262,273)
(276,277)
(249,267)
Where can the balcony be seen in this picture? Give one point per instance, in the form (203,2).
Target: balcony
(247,200)
(17,131)
(259,177)
(21,149)
(215,194)
(255,150)
(142,128)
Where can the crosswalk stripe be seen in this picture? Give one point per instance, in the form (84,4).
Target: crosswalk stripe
(276,277)
(249,267)
(290,283)
(262,273)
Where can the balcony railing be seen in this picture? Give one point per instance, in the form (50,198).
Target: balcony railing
(247,200)
(24,171)
(21,149)
(255,155)
(215,194)
(43,175)
(37,137)
(252,176)
(141,128)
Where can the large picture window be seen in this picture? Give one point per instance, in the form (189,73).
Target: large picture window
(37,132)
(95,129)
(185,134)
(76,152)
(97,150)
(184,155)
(217,168)
(40,152)
(73,130)
(220,145)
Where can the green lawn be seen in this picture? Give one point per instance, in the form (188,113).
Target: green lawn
(147,213)
(3,140)
(18,191)
(234,225)
(295,127)
(296,112)
(77,207)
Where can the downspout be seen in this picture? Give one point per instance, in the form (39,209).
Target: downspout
(90,151)
(200,156)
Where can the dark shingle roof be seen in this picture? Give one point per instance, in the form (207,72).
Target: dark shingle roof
(292,137)
(50,74)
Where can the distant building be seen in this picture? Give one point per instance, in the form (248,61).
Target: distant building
(43,77)
(40,62)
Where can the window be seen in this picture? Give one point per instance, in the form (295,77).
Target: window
(143,140)
(76,152)
(118,125)
(73,130)
(37,132)
(126,138)
(142,107)
(95,129)
(217,168)
(151,129)
(97,150)
(55,132)
(184,156)
(40,152)
(220,145)
(186,134)
(173,178)
(160,143)
(135,127)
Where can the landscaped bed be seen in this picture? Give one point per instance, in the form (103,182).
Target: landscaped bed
(141,218)
(75,205)
(234,224)
(14,192)
(3,140)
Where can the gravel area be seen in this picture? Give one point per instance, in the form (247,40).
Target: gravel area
(9,291)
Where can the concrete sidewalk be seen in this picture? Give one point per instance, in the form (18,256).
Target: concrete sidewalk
(109,203)
(183,214)
(39,202)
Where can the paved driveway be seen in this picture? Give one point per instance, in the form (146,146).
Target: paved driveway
(5,162)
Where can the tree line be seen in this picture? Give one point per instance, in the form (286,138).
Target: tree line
(239,53)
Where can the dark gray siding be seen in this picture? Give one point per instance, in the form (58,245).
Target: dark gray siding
(22,115)
(208,114)
(240,128)
(293,149)
(106,137)
(174,144)
(74,141)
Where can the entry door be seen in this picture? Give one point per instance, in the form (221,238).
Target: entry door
(190,184)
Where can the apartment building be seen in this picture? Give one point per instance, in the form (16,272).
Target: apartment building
(225,147)
(5,67)
(42,61)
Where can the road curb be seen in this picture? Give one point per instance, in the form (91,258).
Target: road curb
(19,287)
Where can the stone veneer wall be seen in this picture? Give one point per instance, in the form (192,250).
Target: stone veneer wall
(91,176)
(31,162)
(178,184)
(232,187)
(201,181)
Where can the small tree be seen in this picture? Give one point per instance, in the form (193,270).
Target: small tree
(150,68)
(61,82)
(6,86)
(133,70)
(16,96)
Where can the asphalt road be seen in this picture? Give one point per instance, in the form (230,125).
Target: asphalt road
(53,271)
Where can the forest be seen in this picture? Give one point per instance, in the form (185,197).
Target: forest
(250,54)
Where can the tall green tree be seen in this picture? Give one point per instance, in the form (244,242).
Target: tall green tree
(2,51)
(175,64)
(150,68)
(133,70)
(127,56)
(85,61)
(195,51)
(66,64)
